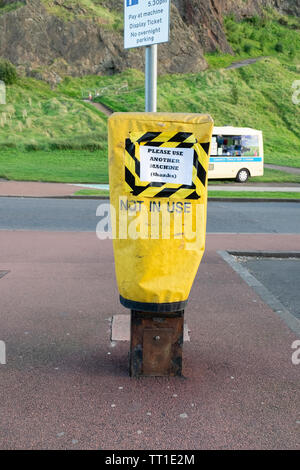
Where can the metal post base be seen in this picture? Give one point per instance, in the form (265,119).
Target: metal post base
(156,344)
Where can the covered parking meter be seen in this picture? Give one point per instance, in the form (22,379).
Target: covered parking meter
(158,164)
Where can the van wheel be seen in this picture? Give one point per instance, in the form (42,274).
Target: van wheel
(242,175)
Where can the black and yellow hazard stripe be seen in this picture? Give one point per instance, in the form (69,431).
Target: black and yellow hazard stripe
(166,190)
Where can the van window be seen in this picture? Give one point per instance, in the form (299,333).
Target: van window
(235,145)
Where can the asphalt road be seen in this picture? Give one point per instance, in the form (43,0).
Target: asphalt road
(80,215)
(281,277)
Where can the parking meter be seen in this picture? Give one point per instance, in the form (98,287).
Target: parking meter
(158,164)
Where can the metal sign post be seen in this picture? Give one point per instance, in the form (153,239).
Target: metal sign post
(147,23)
(151,79)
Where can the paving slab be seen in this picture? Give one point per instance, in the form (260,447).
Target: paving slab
(66,385)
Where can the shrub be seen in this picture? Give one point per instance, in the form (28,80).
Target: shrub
(254,20)
(279,47)
(235,37)
(230,25)
(283,21)
(8,72)
(247,48)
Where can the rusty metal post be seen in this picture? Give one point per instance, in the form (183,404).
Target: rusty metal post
(156,344)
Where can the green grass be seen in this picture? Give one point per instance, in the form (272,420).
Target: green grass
(258,96)
(271,35)
(218,61)
(68,166)
(276,176)
(96,11)
(79,87)
(36,117)
(9,7)
(211,194)
(46,135)
(92,192)
(270,176)
(253,195)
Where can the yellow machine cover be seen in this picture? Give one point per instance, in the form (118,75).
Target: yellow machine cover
(158,164)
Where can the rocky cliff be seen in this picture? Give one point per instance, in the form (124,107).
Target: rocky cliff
(50,38)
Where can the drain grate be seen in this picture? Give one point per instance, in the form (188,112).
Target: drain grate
(3,273)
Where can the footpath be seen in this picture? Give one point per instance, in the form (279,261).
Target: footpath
(38,189)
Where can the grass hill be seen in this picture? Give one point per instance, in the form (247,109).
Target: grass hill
(52,135)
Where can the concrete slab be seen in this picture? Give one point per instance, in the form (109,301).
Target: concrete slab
(120,329)
(92,186)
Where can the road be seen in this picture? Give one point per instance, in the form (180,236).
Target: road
(80,215)
(281,277)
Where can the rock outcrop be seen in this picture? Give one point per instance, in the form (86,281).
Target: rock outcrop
(47,46)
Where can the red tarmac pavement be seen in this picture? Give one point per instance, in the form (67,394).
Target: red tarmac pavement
(65,386)
(36,189)
(39,189)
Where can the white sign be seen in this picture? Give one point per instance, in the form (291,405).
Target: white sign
(146,22)
(166,165)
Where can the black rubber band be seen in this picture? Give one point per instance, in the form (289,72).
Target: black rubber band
(153,307)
